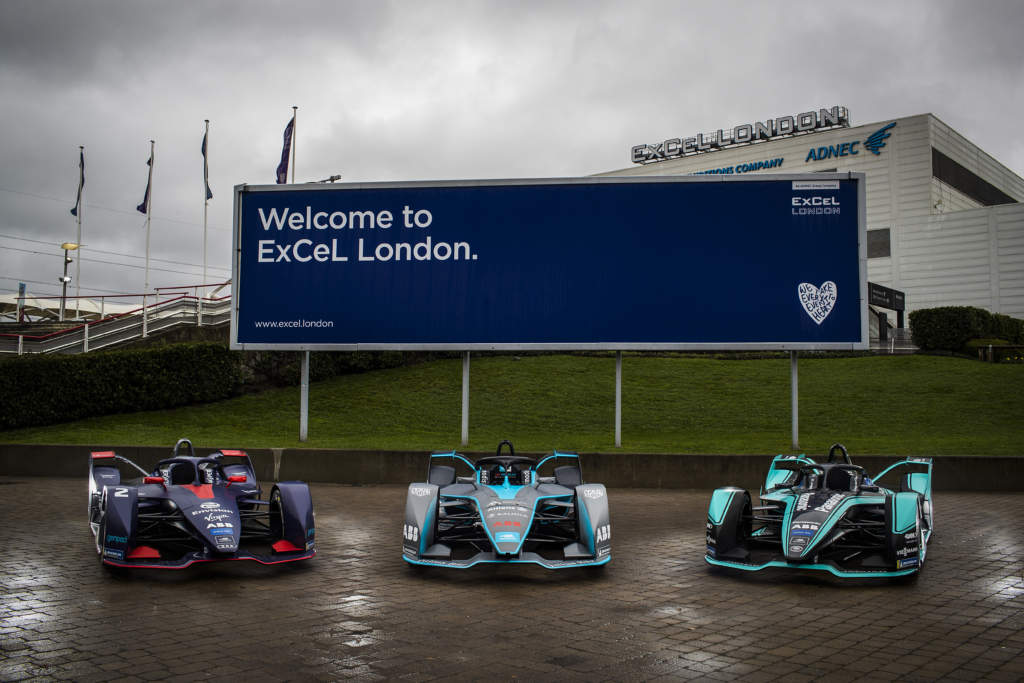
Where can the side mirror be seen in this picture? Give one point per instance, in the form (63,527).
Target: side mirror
(237,479)
(153,480)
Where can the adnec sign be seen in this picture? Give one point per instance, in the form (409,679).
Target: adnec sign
(604,263)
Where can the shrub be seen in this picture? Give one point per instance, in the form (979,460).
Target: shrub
(1010,329)
(41,390)
(950,328)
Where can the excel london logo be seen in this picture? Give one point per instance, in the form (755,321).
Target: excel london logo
(874,144)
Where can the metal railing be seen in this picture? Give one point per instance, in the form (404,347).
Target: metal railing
(167,311)
(899,340)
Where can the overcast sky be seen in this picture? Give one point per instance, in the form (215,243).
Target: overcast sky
(431,90)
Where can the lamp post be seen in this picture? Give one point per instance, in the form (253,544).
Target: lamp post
(65,278)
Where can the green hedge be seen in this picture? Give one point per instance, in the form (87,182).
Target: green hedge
(949,328)
(46,389)
(40,390)
(283,368)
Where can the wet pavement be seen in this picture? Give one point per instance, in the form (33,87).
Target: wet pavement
(358,611)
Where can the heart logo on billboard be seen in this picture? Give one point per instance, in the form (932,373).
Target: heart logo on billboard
(818,301)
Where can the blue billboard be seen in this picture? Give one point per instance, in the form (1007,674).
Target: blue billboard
(683,262)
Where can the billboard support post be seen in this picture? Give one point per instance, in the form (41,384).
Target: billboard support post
(618,399)
(304,399)
(465,398)
(793,400)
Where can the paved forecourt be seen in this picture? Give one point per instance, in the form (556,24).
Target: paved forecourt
(357,610)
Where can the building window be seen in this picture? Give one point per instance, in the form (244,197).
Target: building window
(961,179)
(878,243)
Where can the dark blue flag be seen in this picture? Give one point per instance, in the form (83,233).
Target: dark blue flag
(81,180)
(282,168)
(144,206)
(206,170)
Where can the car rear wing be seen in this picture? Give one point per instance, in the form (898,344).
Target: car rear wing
(915,475)
(235,462)
(780,474)
(109,459)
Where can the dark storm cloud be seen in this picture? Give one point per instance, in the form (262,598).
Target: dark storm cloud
(67,41)
(431,90)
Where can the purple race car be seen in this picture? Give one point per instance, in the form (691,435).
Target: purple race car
(195,509)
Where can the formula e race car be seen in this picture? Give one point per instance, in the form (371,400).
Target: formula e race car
(506,509)
(827,516)
(195,509)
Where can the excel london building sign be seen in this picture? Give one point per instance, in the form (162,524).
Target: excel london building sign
(747,133)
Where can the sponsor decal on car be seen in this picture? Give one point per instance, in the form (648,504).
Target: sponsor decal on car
(593,494)
(604,533)
(410,532)
(217,516)
(221,532)
(909,550)
(507,537)
(209,506)
(116,539)
(220,525)
(830,504)
(801,532)
(909,562)
(420,491)
(802,501)
(115,554)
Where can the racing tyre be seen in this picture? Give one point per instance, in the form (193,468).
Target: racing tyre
(276,514)
(922,549)
(101,524)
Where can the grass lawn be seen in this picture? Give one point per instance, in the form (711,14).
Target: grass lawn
(899,405)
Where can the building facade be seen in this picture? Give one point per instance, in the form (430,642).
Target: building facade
(945,220)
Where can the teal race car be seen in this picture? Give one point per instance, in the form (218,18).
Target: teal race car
(827,516)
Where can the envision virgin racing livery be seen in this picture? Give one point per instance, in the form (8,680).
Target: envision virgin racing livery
(826,516)
(506,511)
(195,509)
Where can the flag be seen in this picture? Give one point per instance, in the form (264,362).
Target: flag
(144,206)
(206,169)
(282,168)
(81,180)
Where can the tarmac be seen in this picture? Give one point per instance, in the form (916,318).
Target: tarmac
(357,611)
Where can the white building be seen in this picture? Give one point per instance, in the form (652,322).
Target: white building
(945,220)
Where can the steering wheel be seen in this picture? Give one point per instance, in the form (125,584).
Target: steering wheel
(191,451)
(841,447)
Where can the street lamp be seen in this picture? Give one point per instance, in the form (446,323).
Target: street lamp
(65,278)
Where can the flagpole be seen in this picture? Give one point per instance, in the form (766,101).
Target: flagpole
(206,198)
(78,241)
(304,368)
(149,208)
(295,126)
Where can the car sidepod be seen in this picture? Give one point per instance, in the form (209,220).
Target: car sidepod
(291,518)
(906,541)
(595,529)
(420,522)
(115,533)
(728,524)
